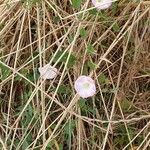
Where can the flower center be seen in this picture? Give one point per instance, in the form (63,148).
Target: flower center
(86,85)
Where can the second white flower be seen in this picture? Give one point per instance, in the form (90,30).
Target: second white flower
(48,72)
(102,4)
(85,86)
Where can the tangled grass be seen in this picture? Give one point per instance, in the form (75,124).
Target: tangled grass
(112,46)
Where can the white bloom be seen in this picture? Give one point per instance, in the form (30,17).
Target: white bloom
(48,72)
(85,86)
(102,4)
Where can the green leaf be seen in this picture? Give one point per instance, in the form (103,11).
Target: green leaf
(68,130)
(125,104)
(69,127)
(76,3)
(83,33)
(63,58)
(2,25)
(27,116)
(24,72)
(85,108)
(64,89)
(50,145)
(30,3)
(82,103)
(102,78)
(93,12)
(116,27)
(27,141)
(92,65)
(4,72)
(56,19)
(90,49)
(71,38)
(30,75)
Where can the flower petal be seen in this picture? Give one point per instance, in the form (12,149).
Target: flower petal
(102,4)
(48,72)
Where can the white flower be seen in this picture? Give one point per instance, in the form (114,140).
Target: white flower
(85,86)
(48,72)
(102,4)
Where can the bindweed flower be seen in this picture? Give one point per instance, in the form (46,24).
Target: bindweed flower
(48,72)
(85,86)
(102,4)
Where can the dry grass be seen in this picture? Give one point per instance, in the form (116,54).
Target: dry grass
(112,46)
